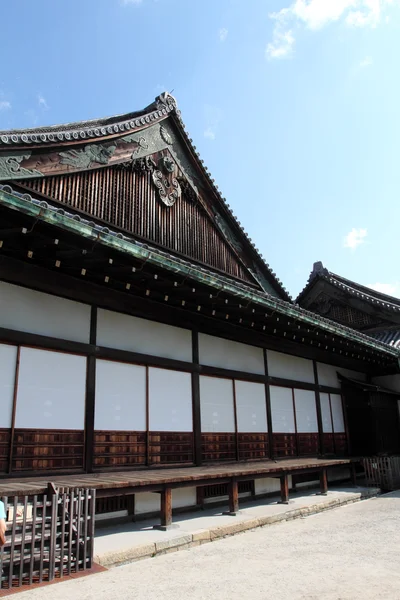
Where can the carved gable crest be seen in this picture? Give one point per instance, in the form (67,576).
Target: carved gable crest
(165,178)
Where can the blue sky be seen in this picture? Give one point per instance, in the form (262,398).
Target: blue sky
(293,104)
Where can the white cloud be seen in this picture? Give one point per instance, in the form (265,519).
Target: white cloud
(366,62)
(391,289)
(316,14)
(5,105)
(42,102)
(281,45)
(209,133)
(355,238)
(223,34)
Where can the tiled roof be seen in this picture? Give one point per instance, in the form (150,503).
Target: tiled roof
(74,223)
(351,287)
(391,337)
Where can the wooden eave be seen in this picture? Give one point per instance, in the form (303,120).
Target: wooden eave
(62,242)
(113,128)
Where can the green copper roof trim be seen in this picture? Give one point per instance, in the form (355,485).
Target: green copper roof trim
(214,280)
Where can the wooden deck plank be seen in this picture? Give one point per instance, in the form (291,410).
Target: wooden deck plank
(165,476)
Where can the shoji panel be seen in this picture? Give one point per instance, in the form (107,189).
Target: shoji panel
(287,366)
(35,312)
(337,413)
(282,410)
(216,400)
(326,413)
(120,396)
(250,407)
(116,330)
(218,352)
(170,397)
(306,411)
(8,360)
(51,390)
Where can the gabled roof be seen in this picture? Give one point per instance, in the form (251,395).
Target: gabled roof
(19,148)
(361,292)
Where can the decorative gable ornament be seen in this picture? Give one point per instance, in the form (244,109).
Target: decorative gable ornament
(166,181)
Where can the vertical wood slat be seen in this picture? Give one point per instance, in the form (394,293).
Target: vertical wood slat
(23,538)
(14,411)
(114,195)
(43,536)
(33,542)
(90,395)
(196,400)
(12,549)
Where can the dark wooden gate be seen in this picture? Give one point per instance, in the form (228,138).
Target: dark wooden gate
(48,536)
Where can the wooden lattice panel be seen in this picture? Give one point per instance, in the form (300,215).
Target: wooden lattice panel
(218,447)
(170,447)
(119,448)
(308,444)
(284,444)
(47,450)
(5,435)
(253,446)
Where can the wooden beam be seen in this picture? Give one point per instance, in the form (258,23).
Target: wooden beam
(90,396)
(319,410)
(284,489)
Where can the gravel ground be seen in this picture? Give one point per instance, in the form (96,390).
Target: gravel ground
(349,553)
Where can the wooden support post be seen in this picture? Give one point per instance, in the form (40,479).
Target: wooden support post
(353,473)
(233,497)
(284,489)
(166,510)
(323,481)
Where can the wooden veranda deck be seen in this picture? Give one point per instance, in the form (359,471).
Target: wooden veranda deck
(163,481)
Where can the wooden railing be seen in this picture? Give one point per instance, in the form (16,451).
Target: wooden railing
(48,536)
(382,472)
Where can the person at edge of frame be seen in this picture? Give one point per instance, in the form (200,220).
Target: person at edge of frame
(2,524)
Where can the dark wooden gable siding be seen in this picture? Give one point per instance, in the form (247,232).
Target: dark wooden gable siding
(128,200)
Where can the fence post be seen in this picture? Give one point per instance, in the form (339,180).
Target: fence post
(52,492)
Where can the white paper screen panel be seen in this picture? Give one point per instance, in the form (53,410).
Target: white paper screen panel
(306,411)
(218,352)
(250,407)
(287,366)
(337,413)
(170,400)
(120,397)
(282,410)
(216,402)
(116,330)
(326,413)
(35,312)
(51,390)
(327,375)
(8,361)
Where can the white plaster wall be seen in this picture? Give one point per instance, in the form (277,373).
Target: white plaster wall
(327,375)
(337,413)
(35,312)
(216,404)
(146,502)
(282,410)
(306,411)
(269,485)
(287,366)
(326,413)
(170,400)
(51,390)
(120,396)
(218,352)
(8,360)
(251,407)
(184,497)
(391,382)
(116,330)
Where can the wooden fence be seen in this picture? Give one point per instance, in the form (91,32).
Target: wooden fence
(383,472)
(48,536)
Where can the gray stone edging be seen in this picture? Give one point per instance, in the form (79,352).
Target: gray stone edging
(202,536)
